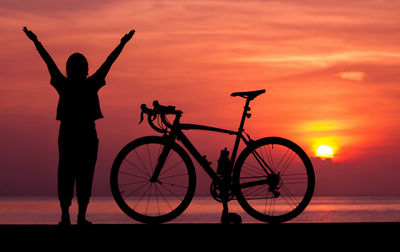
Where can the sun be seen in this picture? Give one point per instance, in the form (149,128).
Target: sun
(324,151)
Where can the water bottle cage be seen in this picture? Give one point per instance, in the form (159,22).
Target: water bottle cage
(223,168)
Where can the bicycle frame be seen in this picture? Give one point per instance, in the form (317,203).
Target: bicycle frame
(196,154)
(177,133)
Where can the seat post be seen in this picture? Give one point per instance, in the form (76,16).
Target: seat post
(240,130)
(245,114)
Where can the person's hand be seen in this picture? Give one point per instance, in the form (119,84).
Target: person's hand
(127,37)
(30,34)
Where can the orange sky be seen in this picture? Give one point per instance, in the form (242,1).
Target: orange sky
(331,70)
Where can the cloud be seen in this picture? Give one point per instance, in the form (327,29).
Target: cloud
(365,175)
(355,76)
(51,8)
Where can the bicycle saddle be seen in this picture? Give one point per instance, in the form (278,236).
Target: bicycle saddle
(249,94)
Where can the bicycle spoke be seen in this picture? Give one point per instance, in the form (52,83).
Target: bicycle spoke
(247,173)
(133,175)
(270,155)
(158,205)
(132,183)
(141,161)
(254,168)
(171,184)
(262,164)
(172,193)
(173,176)
(149,156)
(271,205)
(165,199)
(148,198)
(295,179)
(166,170)
(266,156)
(290,196)
(288,162)
(254,183)
(140,199)
(140,169)
(131,193)
(256,190)
(282,158)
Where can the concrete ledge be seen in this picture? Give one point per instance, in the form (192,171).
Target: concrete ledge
(203,235)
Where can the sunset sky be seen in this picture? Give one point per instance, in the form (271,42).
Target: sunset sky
(331,70)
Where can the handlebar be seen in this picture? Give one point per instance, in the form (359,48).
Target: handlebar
(162,111)
(166,109)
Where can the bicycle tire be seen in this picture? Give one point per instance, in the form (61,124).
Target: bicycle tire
(297,181)
(131,186)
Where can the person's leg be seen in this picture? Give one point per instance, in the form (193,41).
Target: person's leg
(65,178)
(65,218)
(84,179)
(82,214)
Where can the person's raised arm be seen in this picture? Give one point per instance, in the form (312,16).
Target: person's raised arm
(51,65)
(105,67)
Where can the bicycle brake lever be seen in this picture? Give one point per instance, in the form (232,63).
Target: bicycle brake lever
(141,118)
(153,117)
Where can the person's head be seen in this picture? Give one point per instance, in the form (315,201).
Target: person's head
(77,66)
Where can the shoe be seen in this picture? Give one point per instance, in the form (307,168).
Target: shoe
(84,222)
(64,223)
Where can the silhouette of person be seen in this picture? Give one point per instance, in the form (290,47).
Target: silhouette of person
(78,109)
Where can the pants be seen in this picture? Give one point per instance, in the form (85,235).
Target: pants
(78,146)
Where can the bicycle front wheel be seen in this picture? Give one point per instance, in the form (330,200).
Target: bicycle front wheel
(284,194)
(146,201)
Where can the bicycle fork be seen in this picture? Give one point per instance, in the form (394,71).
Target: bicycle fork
(160,164)
(162,158)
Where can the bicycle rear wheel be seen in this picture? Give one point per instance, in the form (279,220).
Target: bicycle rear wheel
(146,201)
(273,198)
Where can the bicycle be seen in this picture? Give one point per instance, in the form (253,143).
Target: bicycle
(153,178)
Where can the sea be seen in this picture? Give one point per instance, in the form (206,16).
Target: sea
(204,209)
